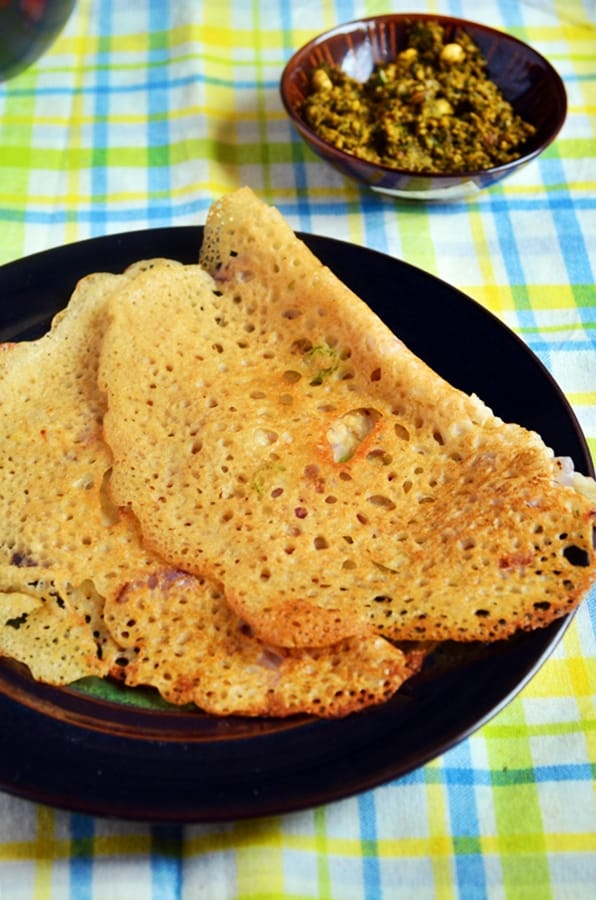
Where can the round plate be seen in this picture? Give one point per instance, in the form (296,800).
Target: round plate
(124,753)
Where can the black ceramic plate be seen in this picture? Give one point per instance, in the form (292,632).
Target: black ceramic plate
(127,755)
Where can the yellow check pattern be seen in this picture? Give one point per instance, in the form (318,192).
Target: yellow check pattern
(139,116)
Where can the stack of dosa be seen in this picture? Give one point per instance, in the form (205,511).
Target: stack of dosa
(230,481)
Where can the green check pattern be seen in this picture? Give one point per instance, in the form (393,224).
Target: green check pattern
(139,116)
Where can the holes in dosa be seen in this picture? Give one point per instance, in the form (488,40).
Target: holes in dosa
(301,345)
(467,543)
(577,556)
(291,376)
(382,502)
(542,606)
(381,457)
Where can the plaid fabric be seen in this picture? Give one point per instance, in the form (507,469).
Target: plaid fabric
(139,116)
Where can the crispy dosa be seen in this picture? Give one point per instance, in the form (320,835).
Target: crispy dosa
(64,547)
(81,595)
(271,433)
(190,646)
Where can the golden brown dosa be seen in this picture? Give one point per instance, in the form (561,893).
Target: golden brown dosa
(270,432)
(189,644)
(79,592)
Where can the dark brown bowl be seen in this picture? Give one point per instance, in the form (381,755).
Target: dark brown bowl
(526,79)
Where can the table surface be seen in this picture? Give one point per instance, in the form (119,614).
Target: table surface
(139,116)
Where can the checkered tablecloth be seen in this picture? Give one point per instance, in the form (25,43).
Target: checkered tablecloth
(140,115)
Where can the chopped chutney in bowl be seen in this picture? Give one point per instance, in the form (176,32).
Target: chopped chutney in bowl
(423,106)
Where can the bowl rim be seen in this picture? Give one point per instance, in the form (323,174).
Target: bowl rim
(350,159)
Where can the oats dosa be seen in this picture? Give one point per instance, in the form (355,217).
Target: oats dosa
(53,628)
(271,433)
(79,593)
(64,547)
(189,645)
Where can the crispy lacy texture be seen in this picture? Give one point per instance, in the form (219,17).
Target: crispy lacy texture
(271,433)
(57,634)
(190,646)
(64,547)
(81,595)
